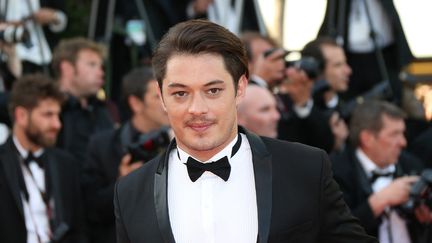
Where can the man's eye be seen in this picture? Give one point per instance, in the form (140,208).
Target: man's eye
(214,91)
(179,94)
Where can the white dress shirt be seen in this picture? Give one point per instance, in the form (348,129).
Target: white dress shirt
(39,52)
(399,230)
(211,210)
(35,211)
(359,40)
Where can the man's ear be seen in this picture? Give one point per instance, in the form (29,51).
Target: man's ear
(134,103)
(159,90)
(366,138)
(66,69)
(241,88)
(21,116)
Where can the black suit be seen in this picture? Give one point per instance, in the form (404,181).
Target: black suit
(297,199)
(313,130)
(63,181)
(353,181)
(101,173)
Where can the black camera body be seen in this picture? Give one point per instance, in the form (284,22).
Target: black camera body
(420,193)
(149,145)
(309,65)
(13,34)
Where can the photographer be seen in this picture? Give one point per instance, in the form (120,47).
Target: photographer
(299,120)
(109,157)
(373,173)
(43,19)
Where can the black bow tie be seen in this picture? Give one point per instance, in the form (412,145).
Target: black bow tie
(30,157)
(377,174)
(220,167)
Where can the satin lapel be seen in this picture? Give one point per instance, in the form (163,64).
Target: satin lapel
(12,172)
(160,196)
(263,184)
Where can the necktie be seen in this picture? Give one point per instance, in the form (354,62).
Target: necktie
(378,174)
(220,167)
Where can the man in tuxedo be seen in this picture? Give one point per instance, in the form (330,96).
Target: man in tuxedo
(39,185)
(374,173)
(115,153)
(252,192)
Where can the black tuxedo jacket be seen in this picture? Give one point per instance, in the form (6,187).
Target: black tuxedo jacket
(100,174)
(64,190)
(297,199)
(353,181)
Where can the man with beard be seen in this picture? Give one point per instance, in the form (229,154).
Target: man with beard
(40,197)
(78,66)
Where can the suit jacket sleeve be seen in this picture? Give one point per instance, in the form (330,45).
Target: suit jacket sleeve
(338,224)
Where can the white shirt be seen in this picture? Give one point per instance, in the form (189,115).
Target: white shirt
(211,210)
(40,52)
(359,39)
(398,226)
(35,212)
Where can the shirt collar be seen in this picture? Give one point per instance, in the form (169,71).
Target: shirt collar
(369,166)
(22,151)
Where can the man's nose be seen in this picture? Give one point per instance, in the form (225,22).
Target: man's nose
(198,105)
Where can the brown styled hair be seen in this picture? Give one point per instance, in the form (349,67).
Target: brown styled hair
(201,37)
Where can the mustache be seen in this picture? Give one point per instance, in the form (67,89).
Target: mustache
(199,120)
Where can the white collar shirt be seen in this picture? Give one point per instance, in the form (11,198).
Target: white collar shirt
(210,209)
(35,211)
(392,224)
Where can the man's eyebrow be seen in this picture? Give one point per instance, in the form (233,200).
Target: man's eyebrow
(176,85)
(214,82)
(179,85)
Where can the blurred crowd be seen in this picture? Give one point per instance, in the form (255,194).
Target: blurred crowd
(89,108)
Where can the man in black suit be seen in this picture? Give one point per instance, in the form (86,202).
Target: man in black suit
(78,67)
(253,192)
(109,152)
(373,173)
(39,185)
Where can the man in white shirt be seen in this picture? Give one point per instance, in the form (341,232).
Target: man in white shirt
(373,173)
(44,19)
(218,182)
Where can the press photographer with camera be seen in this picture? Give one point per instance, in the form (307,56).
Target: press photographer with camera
(375,174)
(43,19)
(116,153)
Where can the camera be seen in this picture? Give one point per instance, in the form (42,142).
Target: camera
(149,145)
(308,64)
(12,34)
(420,193)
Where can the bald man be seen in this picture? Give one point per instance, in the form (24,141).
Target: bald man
(258,112)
